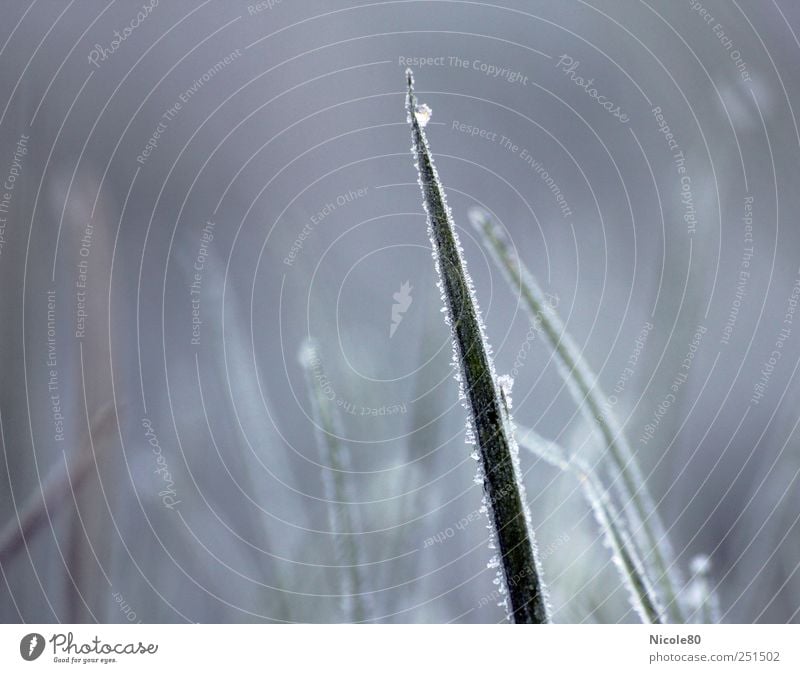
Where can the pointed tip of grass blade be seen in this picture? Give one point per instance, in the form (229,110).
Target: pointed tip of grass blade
(700,564)
(414,112)
(308,352)
(409,94)
(485,225)
(478,217)
(701,595)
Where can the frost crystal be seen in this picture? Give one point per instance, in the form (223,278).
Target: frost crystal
(423,114)
(506,383)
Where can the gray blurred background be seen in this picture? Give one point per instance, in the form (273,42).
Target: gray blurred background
(187,200)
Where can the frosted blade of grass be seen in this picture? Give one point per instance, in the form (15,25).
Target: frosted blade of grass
(581,382)
(702,598)
(518,569)
(344,519)
(550,452)
(642,595)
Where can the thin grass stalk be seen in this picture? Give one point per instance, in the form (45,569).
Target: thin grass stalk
(344,520)
(624,471)
(250,460)
(519,572)
(626,557)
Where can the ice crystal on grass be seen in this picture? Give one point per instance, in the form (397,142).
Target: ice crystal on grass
(506,384)
(480,393)
(423,114)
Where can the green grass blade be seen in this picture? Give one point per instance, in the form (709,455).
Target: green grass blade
(517,562)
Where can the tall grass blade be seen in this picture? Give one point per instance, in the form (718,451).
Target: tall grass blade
(344,519)
(642,595)
(518,569)
(622,468)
